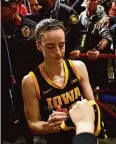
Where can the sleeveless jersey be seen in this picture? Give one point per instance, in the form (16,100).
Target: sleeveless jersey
(52,96)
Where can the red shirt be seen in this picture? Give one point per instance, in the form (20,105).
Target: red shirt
(21,9)
(112,11)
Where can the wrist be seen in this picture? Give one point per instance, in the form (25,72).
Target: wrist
(49,128)
(46,128)
(97,48)
(84,127)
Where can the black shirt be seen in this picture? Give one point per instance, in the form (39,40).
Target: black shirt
(84,138)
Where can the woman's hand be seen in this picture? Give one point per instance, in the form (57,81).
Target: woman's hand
(55,120)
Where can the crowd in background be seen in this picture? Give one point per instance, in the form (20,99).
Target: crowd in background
(90,27)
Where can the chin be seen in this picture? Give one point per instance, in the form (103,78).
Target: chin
(60,61)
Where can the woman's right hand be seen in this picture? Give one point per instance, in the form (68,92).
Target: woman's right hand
(55,120)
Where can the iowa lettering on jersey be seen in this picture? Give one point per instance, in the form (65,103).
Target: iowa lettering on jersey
(66,98)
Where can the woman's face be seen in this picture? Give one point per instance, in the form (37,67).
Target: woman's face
(53,45)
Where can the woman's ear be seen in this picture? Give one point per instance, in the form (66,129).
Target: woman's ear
(38,45)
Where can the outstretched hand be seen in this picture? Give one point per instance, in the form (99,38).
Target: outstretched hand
(82,115)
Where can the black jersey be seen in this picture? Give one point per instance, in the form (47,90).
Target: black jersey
(52,96)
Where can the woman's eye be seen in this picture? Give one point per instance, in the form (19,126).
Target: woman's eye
(61,46)
(50,47)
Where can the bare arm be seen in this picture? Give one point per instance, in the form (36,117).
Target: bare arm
(31,107)
(85,85)
(32,110)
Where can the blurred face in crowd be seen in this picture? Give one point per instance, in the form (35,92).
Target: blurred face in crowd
(51,2)
(91,5)
(7,12)
(46,3)
(52,45)
(34,6)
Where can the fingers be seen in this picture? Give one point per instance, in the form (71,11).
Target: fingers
(56,124)
(55,128)
(77,104)
(56,118)
(103,44)
(101,23)
(58,113)
(74,54)
(55,121)
(59,108)
(98,25)
(93,54)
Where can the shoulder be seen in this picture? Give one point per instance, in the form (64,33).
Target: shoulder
(27,27)
(82,15)
(100,8)
(100,11)
(78,64)
(67,9)
(28,89)
(28,16)
(28,22)
(28,85)
(80,68)
(68,14)
(27,81)
(83,18)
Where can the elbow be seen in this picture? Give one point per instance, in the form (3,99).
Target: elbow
(37,127)
(32,127)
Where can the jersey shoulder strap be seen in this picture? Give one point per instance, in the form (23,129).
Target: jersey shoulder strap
(35,81)
(71,66)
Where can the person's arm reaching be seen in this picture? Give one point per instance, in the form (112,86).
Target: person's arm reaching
(82,115)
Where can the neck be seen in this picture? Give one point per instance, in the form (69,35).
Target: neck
(54,69)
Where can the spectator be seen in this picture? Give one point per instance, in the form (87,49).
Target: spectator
(15,31)
(112,11)
(69,17)
(21,9)
(34,8)
(97,41)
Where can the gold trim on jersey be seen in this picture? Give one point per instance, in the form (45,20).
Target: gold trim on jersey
(46,77)
(74,70)
(35,83)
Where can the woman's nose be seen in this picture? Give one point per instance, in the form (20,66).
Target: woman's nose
(58,52)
